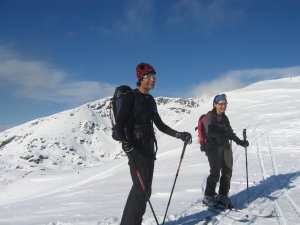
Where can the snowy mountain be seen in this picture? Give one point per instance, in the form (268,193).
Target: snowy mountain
(65,169)
(75,138)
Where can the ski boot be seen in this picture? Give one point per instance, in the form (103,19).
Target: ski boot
(210,201)
(224,202)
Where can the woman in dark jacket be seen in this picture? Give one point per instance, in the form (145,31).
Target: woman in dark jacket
(219,153)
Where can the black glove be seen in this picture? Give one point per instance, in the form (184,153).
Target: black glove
(127,146)
(242,143)
(202,148)
(185,136)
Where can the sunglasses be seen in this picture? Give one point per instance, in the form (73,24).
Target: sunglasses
(220,97)
(149,76)
(223,104)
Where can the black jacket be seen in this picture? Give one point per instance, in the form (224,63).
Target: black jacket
(218,128)
(136,117)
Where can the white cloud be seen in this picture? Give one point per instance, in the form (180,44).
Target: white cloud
(215,87)
(205,15)
(6,51)
(30,74)
(137,20)
(139,16)
(239,78)
(84,91)
(37,80)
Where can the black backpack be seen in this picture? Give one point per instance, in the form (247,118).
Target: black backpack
(115,105)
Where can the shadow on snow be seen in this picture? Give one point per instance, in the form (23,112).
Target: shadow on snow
(263,190)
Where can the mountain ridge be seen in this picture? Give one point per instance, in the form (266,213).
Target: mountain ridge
(76,137)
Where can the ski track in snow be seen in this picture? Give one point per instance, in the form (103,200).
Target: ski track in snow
(283,194)
(280,220)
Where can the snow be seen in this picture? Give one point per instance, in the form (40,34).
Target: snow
(75,174)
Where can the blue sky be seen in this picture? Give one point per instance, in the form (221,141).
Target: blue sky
(59,54)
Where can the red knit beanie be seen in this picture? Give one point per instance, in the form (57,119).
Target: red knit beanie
(144,69)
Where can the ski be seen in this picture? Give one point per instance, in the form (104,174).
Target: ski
(220,210)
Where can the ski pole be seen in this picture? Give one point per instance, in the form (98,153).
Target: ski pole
(245,138)
(143,186)
(181,158)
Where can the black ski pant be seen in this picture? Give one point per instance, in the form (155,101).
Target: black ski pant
(137,199)
(220,160)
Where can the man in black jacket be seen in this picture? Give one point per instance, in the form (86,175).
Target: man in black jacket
(134,128)
(219,153)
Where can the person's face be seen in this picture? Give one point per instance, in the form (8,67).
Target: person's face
(148,81)
(221,106)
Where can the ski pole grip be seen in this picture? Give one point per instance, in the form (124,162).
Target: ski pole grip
(244,135)
(184,147)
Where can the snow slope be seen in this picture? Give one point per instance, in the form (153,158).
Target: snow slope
(66,170)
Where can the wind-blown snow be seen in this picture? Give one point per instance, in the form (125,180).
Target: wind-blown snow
(66,169)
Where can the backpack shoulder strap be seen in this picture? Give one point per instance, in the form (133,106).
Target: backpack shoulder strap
(213,118)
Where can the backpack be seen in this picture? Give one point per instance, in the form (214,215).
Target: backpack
(201,130)
(115,105)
